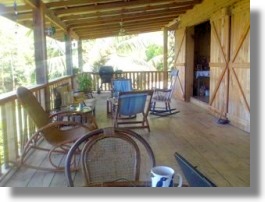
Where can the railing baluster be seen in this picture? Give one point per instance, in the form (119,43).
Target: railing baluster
(5,135)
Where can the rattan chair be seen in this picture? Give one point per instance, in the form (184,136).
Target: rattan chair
(160,104)
(110,155)
(130,104)
(59,135)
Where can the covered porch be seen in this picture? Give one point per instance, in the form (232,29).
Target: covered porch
(221,152)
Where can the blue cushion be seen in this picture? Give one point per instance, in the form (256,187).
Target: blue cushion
(123,85)
(132,104)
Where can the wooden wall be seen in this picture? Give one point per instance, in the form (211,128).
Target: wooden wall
(239,66)
(229,57)
(180,59)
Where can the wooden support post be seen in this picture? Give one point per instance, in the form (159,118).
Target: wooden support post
(68,55)
(165,70)
(40,48)
(40,44)
(80,55)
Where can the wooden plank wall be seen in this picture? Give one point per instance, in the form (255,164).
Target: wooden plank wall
(180,58)
(239,85)
(229,57)
(219,59)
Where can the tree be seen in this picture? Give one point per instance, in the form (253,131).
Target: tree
(16,61)
(154,54)
(56,58)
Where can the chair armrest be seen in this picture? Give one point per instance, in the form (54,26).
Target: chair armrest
(60,124)
(162,90)
(64,113)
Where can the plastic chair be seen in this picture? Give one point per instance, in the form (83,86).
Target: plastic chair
(110,155)
(59,135)
(130,104)
(163,98)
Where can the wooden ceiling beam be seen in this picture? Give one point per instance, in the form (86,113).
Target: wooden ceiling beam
(79,3)
(118,17)
(117,20)
(74,3)
(116,32)
(125,13)
(118,6)
(127,24)
(88,36)
(116,29)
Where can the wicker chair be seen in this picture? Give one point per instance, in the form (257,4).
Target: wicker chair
(162,98)
(59,135)
(110,155)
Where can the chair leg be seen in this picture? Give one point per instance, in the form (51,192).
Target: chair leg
(33,144)
(167,110)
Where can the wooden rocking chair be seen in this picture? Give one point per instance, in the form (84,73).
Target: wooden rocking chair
(59,135)
(163,96)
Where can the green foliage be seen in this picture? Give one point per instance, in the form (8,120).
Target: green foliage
(56,58)
(84,81)
(154,55)
(17,63)
(153,50)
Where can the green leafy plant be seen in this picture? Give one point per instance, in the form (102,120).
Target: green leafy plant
(84,81)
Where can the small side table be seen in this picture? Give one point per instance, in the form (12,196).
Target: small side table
(92,104)
(84,116)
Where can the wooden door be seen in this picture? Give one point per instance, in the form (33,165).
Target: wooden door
(219,60)
(180,50)
(239,79)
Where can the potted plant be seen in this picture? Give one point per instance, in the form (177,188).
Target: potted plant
(84,81)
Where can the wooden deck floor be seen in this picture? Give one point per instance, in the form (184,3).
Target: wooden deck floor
(221,152)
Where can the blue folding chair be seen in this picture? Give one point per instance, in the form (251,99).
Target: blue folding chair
(121,85)
(132,103)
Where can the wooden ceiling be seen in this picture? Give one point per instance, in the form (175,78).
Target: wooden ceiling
(89,19)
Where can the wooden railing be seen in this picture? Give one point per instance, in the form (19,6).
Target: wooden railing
(140,80)
(16,127)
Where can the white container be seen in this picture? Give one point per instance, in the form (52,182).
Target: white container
(163,176)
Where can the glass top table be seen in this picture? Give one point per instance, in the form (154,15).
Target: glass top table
(76,113)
